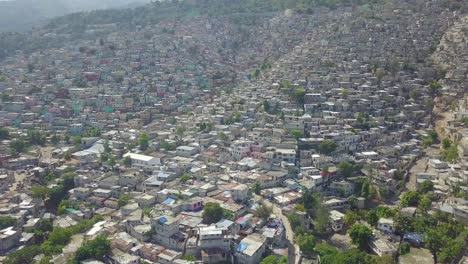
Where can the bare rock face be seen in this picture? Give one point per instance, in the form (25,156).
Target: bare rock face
(451,58)
(452,53)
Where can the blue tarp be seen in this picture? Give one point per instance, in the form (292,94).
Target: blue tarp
(169,201)
(415,237)
(162,220)
(241,247)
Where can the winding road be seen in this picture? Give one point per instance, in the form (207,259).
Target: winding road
(293,249)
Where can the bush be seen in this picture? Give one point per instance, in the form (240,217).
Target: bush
(404,248)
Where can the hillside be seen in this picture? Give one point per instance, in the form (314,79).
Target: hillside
(23,15)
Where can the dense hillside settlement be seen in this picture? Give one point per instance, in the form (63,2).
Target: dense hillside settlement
(238,132)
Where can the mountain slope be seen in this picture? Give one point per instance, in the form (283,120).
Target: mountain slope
(21,15)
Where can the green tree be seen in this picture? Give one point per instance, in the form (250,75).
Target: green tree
(212,213)
(76,141)
(446,143)
(96,248)
(104,157)
(180,131)
(55,139)
(327,147)
(189,258)
(306,243)
(360,235)
(266,106)
(263,211)
(24,255)
(127,162)
(256,188)
(434,88)
(17,145)
(67,155)
(38,191)
(385,212)
(4,134)
(269,260)
(351,217)
(365,189)
(6,221)
(347,169)
(426,186)
(143,141)
(450,154)
(106,146)
(111,162)
(222,136)
(410,198)
(184,178)
(297,134)
(123,200)
(372,218)
(425,204)
(294,221)
(404,248)
(299,95)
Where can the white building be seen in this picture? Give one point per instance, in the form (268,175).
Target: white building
(251,249)
(145,161)
(386,225)
(336,220)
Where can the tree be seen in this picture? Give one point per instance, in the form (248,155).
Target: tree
(6,221)
(123,200)
(67,155)
(446,143)
(327,147)
(372,217)
(266,106)
(360,235)
(385,212)
(434,88)
(347,169)
(269,260)
(450,154)
(104,157)
(351,217)
(184,178)
(426,186)
(410,198)
(306,243)
(127,162)
(96,248)
(24,255)
(404,248)
(256,188)
(297,134)
(106,146)
(212,213)
(4,134)
(144,142)
(38,191)
(365,189)
(294,221)
(299,95)
(55,139)
(263,211)
(425,204)
(189,258)
(76,141)
(17,145)
(403,224)
(222,136)
(111,162)
(180,131)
